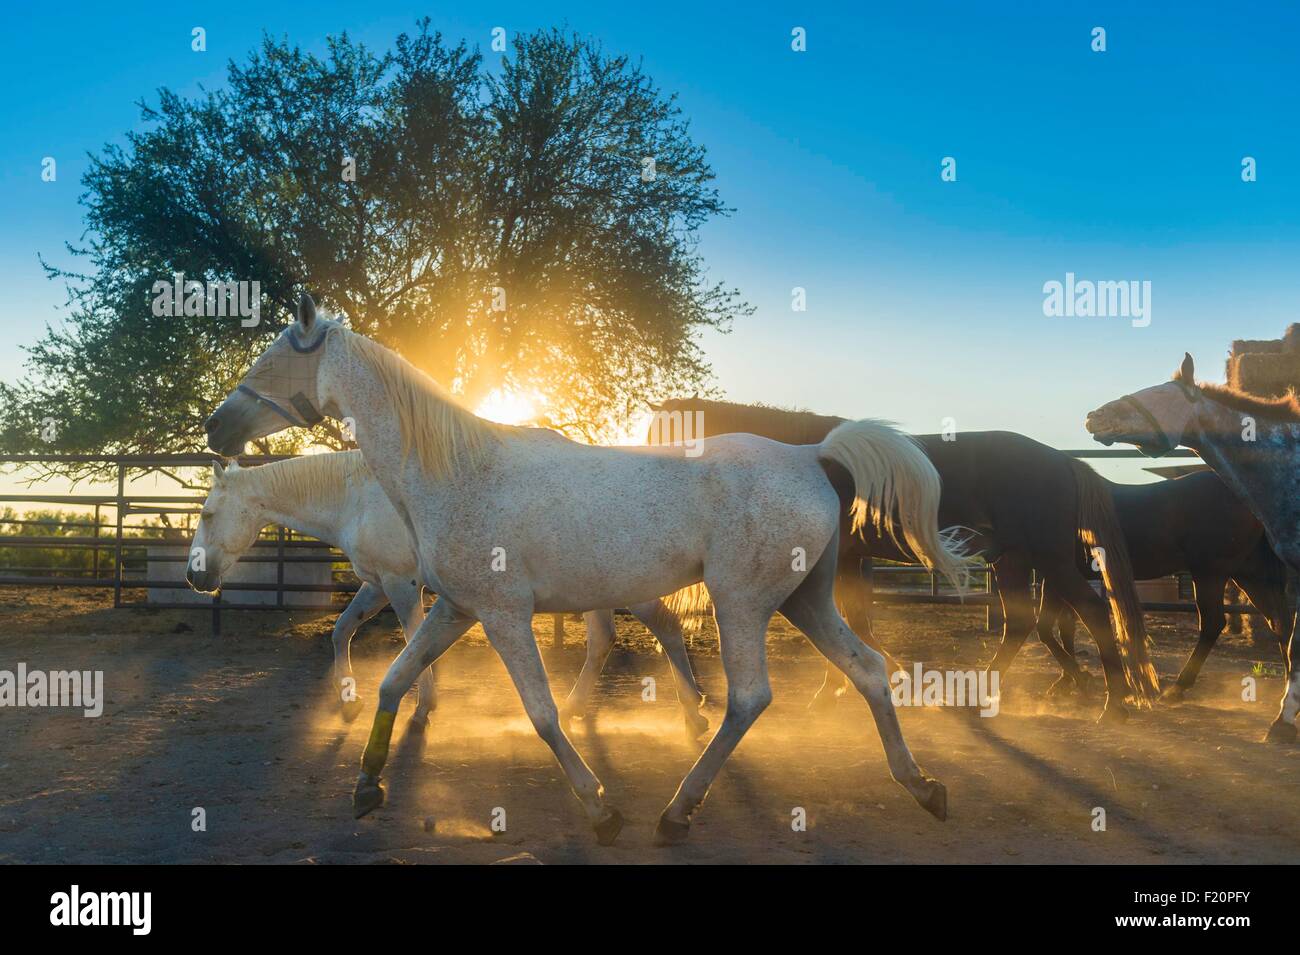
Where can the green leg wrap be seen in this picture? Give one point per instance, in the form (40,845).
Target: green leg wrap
(377,748)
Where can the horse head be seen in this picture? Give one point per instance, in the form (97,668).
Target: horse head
(280,390)
(1154,419)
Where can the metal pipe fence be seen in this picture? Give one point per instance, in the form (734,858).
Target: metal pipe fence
(128,545)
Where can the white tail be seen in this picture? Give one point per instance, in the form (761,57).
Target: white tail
(892,474)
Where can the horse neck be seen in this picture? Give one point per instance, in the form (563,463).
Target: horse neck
(309,516)
(1257,471)
(354,391)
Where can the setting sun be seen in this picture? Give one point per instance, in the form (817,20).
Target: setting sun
(507,407)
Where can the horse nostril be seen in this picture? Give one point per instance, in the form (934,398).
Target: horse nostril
(211,424)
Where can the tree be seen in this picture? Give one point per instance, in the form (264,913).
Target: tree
(531,227)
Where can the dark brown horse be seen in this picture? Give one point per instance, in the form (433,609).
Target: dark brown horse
(1027,507)
(1192,524)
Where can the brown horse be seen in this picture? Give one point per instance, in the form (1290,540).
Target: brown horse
(1027,506)
(1192,524)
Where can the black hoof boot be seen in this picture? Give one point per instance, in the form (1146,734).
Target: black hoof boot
(368,796)
(607,829)
(1281,732)
(670,833)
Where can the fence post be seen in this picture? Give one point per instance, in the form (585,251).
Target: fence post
(992,612)
(117,548)
(557,631)
(94,572)
(279,567)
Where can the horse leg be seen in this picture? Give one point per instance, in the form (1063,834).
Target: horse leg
(600,641)
(667,629)
(854,590)
(1095,614)
(811,609)
(742,638)
(511,635)
(1051,612)
(441,627)
(1209,611)
(1268,594)
(366,602)
(1013,573)
(405,595)
(1283,729)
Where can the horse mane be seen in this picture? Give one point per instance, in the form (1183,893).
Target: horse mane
(1285,407)
(443,434)
(787,425)
(322,478)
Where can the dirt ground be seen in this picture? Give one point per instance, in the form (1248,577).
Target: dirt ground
(244,726)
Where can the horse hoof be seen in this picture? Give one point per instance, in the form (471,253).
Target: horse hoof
(1088,686)
(1061,688)
(1113,715)
(936,802)
(351,709)
(368,796)
(1281,732)
(1173,694)
(696,726)
(670,833)
(607,829)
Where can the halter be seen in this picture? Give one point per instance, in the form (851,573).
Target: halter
(1190,392)
(301,403)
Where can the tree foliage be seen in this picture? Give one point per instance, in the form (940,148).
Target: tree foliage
(522,182)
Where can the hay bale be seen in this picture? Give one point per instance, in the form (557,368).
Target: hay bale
(1266,368)
(1242,345)
(1265,374)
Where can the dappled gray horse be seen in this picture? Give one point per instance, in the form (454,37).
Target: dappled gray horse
(1252,443)
(512,521)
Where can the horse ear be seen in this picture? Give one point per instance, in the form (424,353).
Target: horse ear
(654,407)
(1187,372)
(306,312)
(218,471)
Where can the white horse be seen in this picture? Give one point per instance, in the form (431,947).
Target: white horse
(508,522)
(335,498)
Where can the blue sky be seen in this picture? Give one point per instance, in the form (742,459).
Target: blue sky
(924,297)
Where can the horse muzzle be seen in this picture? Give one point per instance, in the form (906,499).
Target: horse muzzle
(202,582)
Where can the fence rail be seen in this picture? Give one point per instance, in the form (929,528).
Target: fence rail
(113,573)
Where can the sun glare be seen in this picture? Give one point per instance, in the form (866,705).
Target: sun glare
(507,407)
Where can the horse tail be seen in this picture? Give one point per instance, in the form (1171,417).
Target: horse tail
(685,608)
(893,476)
(1098,527)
